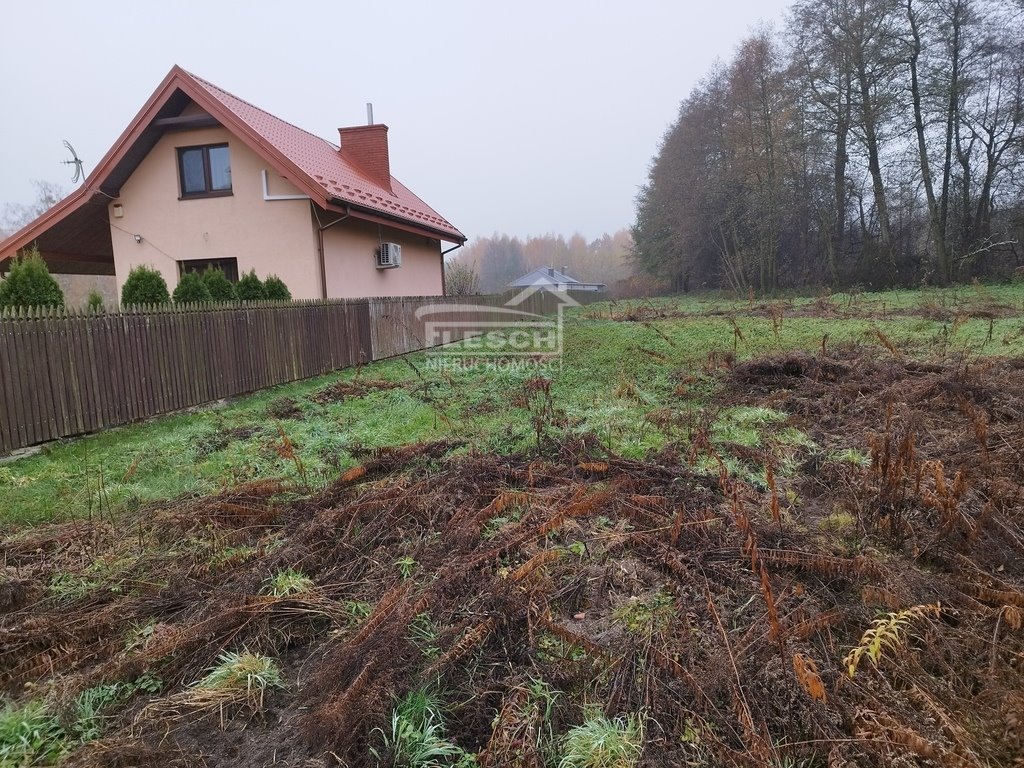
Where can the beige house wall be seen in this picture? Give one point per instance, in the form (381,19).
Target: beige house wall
(272,237)
(350,262)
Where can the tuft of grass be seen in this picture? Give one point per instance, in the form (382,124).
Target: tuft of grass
(244,676)
(646,616)
(417,736)
(838,522)
(601,742)
(91,707)
(745,425)
(406,566)
(357,611)
(70,586)
(231,556)
(30,735)
(425,634)
(852,456)
(289,582)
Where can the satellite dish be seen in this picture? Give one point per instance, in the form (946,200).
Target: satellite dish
(75,161)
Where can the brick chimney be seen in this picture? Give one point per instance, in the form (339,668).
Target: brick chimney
(366,146)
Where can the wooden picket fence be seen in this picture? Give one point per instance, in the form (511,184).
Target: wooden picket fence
(65,373)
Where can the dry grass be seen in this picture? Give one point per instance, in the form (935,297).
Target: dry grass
(652,598)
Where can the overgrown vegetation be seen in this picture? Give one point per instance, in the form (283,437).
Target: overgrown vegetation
(668,353)
(722,533)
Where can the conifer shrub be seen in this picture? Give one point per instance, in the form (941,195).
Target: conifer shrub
(30,284)
(191,290)
(220,288)
(144,285)
(276,290)
(250,287)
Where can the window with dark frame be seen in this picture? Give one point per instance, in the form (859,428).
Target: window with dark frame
(228,266)
(204,171)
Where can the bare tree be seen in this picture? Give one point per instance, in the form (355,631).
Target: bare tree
(461,279)
(883,145)
(17,215)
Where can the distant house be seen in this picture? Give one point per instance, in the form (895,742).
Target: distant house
(201,177)
(549,278)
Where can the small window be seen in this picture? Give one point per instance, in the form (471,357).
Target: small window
(228,266)
(204,171)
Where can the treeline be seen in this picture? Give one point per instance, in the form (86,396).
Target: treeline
(500,259)
(876,142)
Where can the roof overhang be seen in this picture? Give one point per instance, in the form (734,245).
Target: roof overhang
(73,237)
(403,225)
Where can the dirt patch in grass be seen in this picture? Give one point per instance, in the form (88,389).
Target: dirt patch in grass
(284,408)
(528,590)
(346,390)
(786,372)
(222,437)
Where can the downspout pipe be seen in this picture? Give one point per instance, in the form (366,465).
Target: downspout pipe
(320,245)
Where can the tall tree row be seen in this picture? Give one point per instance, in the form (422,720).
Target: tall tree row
(877,142)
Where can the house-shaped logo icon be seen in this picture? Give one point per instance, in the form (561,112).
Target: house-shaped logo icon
(524,323)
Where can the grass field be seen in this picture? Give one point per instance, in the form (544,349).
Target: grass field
(614,374)
(719,533)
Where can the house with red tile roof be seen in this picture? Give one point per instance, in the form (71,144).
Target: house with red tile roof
(201,177)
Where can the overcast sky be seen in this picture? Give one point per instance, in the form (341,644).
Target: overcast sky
(523,118)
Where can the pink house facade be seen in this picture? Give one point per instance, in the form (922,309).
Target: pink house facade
(201,177)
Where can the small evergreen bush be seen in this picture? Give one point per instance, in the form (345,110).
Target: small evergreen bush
(276,290)
(250,288)
(30,284)
(220,288)
(191,289)
(144,285)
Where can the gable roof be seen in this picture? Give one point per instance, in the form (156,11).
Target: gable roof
(323,165)
(314,165)
(548,276)
(544,276)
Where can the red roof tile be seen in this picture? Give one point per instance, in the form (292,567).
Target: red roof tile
(321,161)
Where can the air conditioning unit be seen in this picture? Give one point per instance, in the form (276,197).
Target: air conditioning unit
(389,256)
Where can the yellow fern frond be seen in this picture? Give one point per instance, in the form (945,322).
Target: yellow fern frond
(886,635)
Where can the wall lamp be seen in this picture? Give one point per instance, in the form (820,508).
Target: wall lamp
(138,238)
